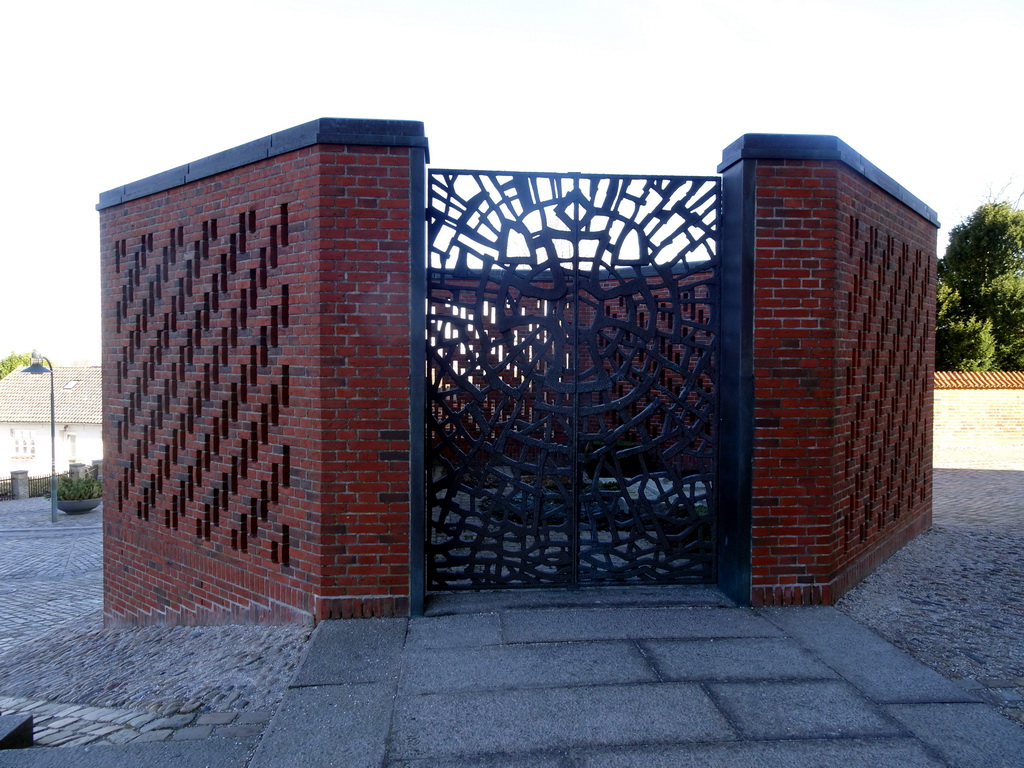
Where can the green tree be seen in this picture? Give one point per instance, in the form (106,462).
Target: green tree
(981,293)
(961,345)
(1005,296)
(13,362)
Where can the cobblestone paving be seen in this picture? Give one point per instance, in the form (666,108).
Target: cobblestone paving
(84,684)
(954,597)
(35,608)
(35,514)
(61,556)
(57,724)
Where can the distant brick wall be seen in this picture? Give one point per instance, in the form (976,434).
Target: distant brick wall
(972,407)
(844,283)
(256,381)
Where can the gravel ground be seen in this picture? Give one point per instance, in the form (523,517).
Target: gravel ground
(954,597)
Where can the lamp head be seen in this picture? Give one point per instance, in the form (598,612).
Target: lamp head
(37,364)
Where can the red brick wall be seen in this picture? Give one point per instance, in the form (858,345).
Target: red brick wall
(843,363)
(256,390)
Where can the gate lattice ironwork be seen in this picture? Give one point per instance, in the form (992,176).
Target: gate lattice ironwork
(572,385)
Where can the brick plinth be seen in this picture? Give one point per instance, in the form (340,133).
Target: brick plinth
(257,381)
(844,267)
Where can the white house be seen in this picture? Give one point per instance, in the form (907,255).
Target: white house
(25,419)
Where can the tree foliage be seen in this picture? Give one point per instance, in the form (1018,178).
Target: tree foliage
(981,293)
(13,362)
(961,344)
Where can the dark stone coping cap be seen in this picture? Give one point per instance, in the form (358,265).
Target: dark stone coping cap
(794,146)
(325,130)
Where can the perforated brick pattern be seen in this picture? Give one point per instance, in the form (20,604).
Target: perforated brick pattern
(844,319)
(200,323)
(256,392)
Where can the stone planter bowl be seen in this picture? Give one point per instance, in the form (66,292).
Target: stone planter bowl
(78,506)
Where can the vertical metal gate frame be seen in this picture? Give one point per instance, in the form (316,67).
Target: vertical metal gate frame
(736,381)
(417,379)
(574,530)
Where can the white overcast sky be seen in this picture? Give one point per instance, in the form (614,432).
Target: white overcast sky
(97,94)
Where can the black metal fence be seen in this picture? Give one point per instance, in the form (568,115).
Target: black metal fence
(40,486)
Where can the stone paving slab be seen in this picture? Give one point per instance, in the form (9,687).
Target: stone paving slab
(546,665)
(465,631)
(342,726)
(807,709)
(877,668)
(877,753)
(753,658)
(472,723)
(363,651)
(15,731)
(196,732)
(764,693)
(475,603)
(547,759)
(577,624)
(967,735)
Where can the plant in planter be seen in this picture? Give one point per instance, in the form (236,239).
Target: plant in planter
(78,494)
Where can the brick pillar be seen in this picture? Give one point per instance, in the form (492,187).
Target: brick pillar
(257,393)
(834,278)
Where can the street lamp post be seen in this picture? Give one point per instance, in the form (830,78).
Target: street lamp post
(38,367)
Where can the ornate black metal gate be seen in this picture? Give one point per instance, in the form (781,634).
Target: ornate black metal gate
(572,385)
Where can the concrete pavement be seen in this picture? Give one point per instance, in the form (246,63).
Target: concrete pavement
(622,678)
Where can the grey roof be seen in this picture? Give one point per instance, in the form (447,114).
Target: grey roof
(25,397)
